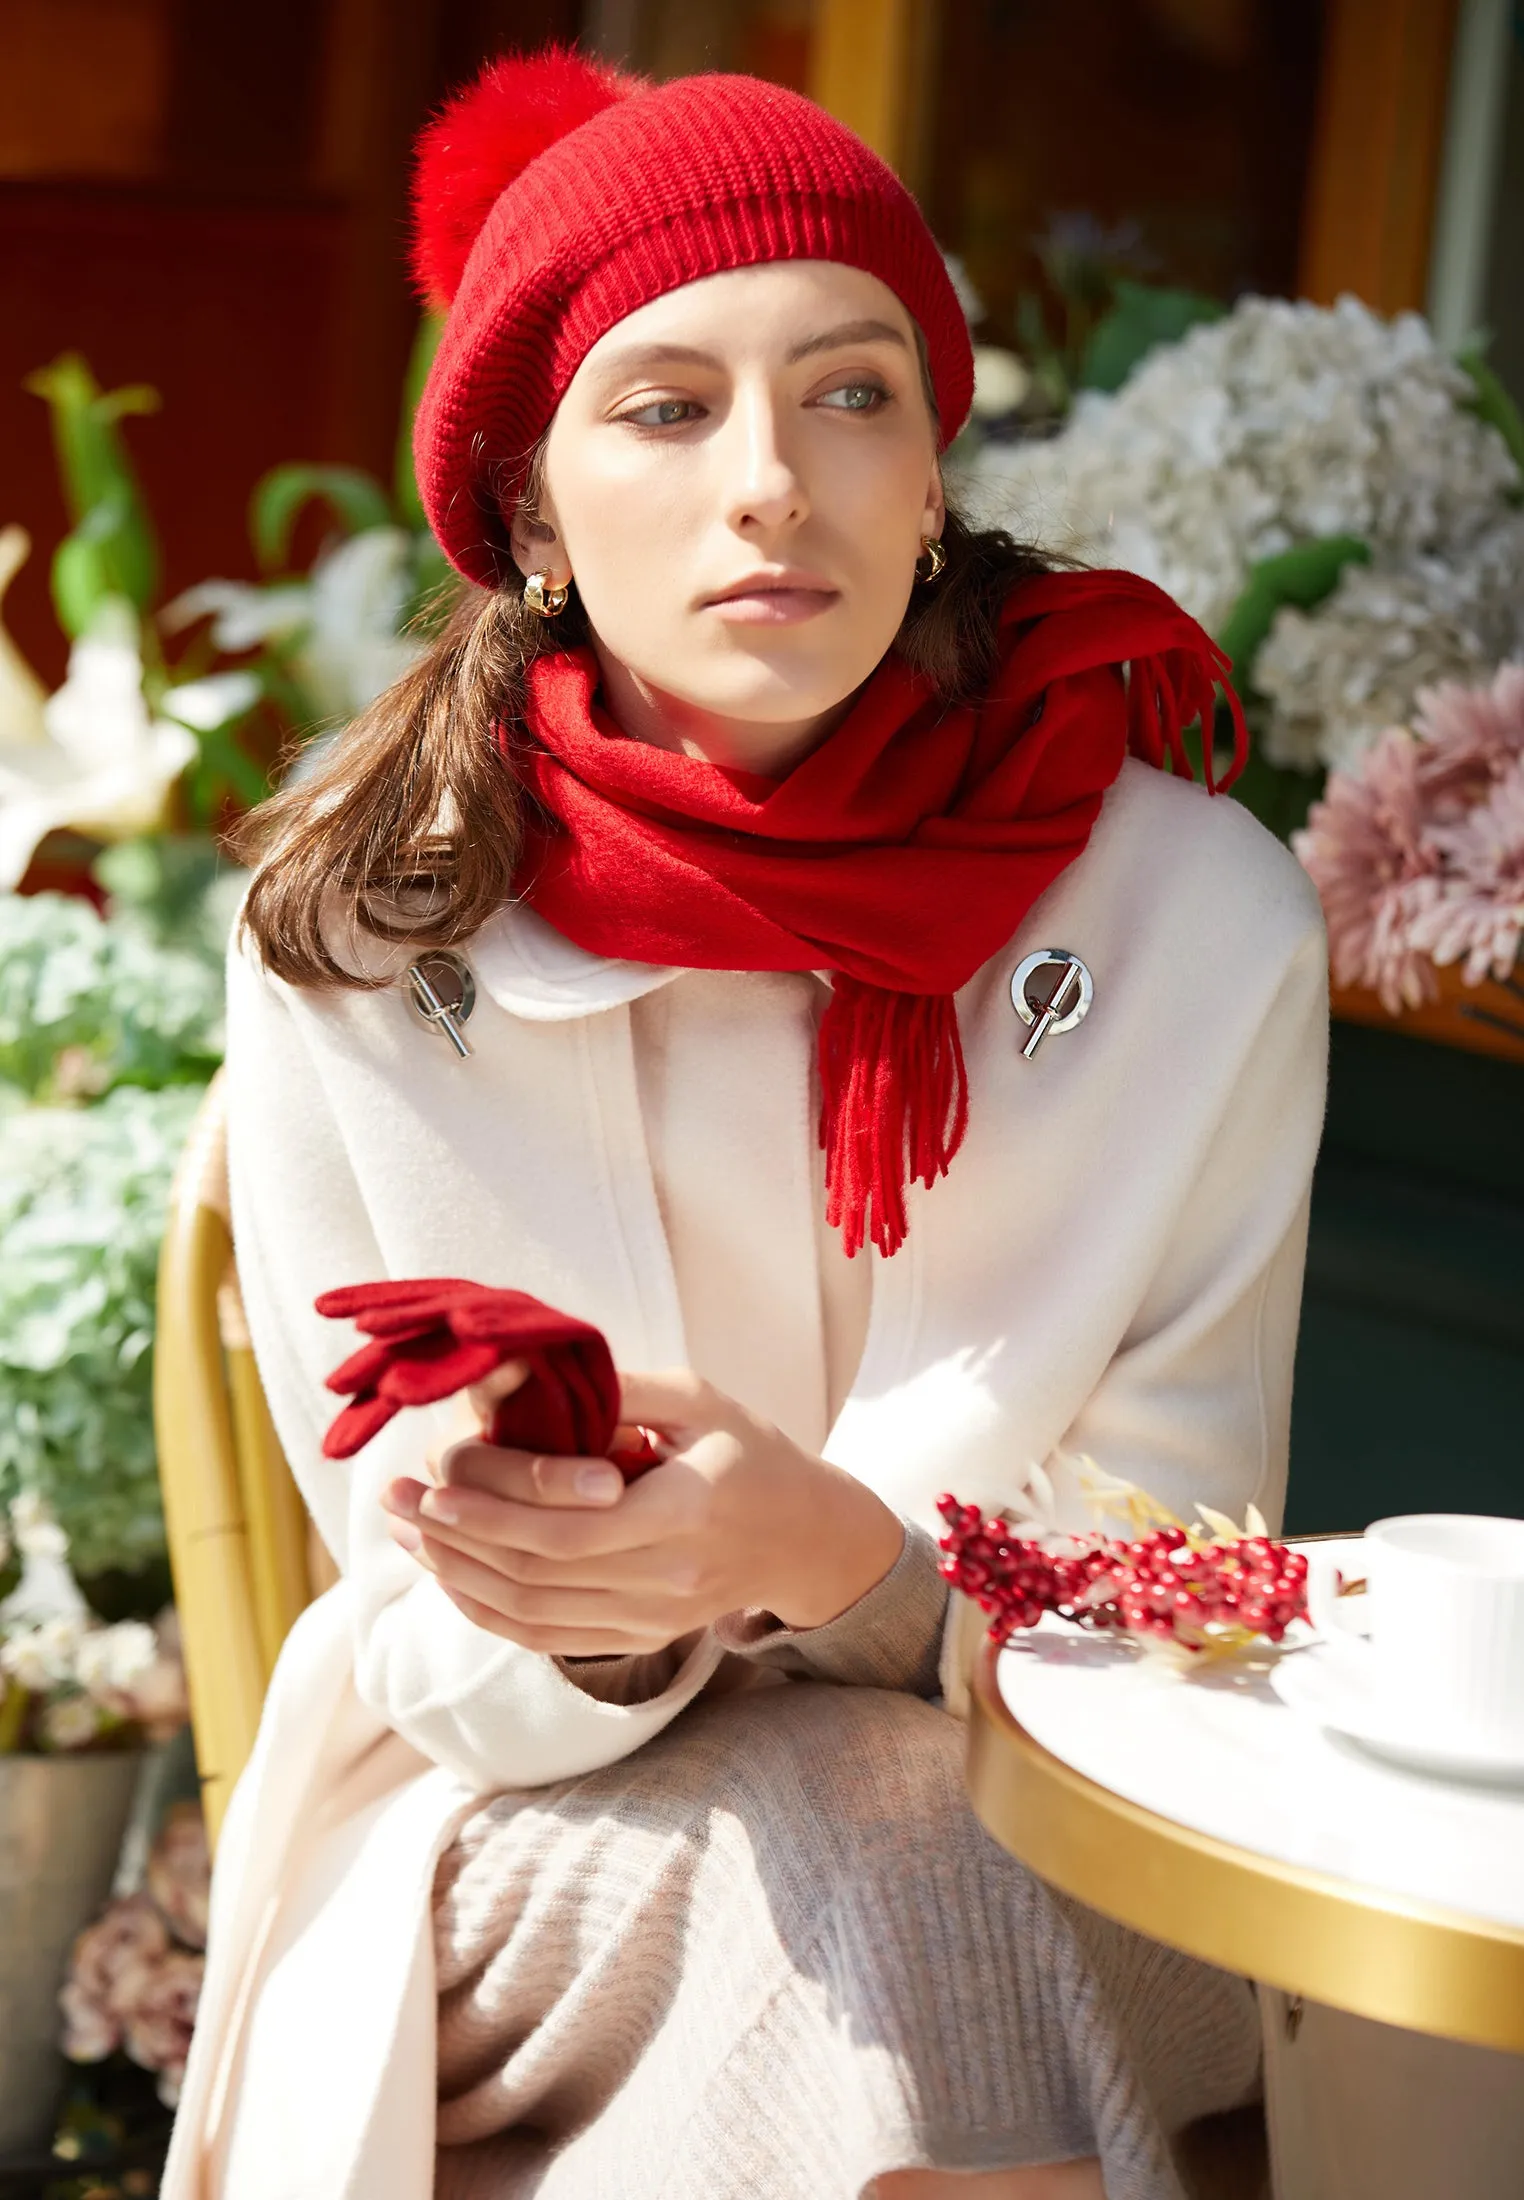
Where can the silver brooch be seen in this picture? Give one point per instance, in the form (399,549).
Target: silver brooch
(1058,1006)
(442,993)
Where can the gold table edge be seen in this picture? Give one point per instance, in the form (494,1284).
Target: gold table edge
(1372,1953)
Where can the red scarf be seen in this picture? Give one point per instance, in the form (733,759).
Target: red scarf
(901,854)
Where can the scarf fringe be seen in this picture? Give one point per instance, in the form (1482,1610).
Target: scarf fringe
(894,1105)
(1168,692)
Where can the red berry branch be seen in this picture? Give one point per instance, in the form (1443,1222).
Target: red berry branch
(1184,1585)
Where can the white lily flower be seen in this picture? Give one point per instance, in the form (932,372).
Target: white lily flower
(105,766)
(22,694)
(353,650)
(203,705)
(242,614)
(339,625)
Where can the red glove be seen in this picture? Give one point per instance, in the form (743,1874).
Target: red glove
(435,1336)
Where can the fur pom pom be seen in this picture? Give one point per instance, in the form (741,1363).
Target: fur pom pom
(486,136)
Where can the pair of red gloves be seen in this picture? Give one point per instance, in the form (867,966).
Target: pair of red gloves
(435,1336)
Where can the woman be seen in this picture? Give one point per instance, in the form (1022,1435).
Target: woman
(628,1822)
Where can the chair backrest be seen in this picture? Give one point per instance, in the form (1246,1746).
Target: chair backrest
(245,1557)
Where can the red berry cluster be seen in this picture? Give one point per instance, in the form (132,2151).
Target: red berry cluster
(1167,1583)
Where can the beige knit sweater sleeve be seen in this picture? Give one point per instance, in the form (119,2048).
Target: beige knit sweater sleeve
(890,1638)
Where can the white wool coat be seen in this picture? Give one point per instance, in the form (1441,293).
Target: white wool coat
(1112,1268)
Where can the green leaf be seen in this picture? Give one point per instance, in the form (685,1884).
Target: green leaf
(119,553)
(80,584)
(1302,576)
(238,769)
(1493,404)
(110,553)
(92,458)
(421,358)
(357,499)
(1141,316)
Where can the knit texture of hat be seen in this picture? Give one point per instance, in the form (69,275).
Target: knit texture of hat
(555,196)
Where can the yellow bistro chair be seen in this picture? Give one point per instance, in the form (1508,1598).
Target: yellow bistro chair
(245,1557)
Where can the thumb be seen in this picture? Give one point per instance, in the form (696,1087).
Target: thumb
(529,1478)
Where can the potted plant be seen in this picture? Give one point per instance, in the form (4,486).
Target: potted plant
(107,1037)
(81,1700)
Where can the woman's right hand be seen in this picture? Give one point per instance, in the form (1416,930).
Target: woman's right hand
(555,1484)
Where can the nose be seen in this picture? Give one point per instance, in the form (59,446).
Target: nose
(763,484)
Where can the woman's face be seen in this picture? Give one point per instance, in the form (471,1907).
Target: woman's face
(738,479)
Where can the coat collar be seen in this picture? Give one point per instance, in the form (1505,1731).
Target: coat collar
(534,971)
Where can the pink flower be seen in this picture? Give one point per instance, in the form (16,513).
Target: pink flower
(1367,854)
(180,1872)
(90,2032)
(1472,738)
(157,2028)
(111,1961)
(1479,913)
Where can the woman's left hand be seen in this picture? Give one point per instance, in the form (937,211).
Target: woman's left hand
(736,1515)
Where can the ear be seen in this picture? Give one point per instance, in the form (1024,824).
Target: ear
(537,547)
(934,517)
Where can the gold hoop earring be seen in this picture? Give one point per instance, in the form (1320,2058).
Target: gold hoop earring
(542,596)
(936,559)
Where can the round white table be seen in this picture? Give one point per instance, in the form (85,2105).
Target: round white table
(1198,1808)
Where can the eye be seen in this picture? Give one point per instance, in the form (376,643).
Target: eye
(663,412)
(856,397)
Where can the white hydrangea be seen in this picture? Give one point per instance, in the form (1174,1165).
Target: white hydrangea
(73,1722)
(1276,425)
(1337,677)
(112,1659)
(37,1533)
(43,1657)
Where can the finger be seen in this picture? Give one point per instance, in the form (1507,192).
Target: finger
(486,1395)
(525,1602)
(558,1642)
(531,1478)
(654,1569)
(674,1399)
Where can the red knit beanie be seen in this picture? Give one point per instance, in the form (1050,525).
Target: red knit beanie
(555,196)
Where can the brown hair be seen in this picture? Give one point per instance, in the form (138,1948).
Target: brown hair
(411,827)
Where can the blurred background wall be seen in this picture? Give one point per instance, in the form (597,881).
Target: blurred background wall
(211,200)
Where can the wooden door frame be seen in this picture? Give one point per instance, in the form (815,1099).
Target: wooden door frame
(872,65)
(1378,145)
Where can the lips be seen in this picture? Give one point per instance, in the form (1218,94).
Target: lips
(776,581)
(775,598)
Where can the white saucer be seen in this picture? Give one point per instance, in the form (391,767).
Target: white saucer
(1330,1682)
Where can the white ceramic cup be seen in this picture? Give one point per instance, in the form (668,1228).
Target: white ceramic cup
(1440,1629)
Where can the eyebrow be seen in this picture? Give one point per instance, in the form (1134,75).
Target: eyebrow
(850,332)
(687,355)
